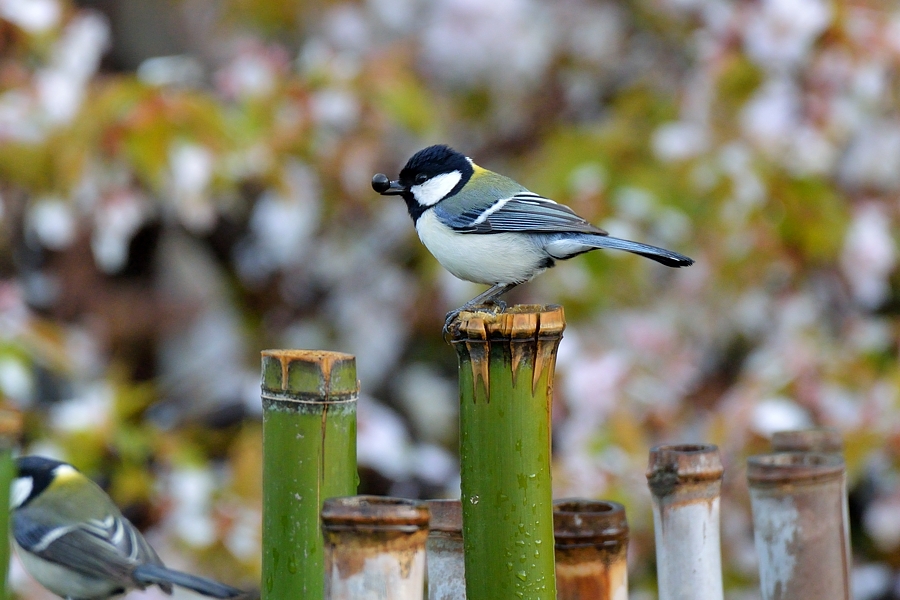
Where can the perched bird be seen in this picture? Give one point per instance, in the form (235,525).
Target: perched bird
(486,228)
(74,541)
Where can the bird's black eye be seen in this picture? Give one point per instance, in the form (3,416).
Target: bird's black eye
(421,178)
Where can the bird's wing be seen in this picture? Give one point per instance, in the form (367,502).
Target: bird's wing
(108,548)
(522,212)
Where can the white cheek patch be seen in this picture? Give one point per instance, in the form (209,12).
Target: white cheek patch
(21,489)
(433,191)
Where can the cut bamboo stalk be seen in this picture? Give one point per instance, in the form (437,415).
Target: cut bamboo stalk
(10,430)
(686,481)
(591,550)
(800,525)
(446,566)
(814,439)
(309,454)
(506,364)
(374,548)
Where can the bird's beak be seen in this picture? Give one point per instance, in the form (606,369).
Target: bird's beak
(386,187)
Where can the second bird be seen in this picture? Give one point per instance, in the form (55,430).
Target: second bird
(486,228)
(75,542)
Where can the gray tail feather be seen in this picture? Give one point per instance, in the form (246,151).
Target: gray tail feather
(158,574)
(660,255)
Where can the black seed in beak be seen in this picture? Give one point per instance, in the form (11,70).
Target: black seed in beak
(386,187)
(381,183)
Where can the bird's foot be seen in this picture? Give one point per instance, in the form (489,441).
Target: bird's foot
(498,306)
(452,318)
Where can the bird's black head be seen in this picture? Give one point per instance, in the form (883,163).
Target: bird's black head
(430,175)
(432,161)
(34,475)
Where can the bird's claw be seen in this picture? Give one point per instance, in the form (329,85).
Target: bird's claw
(451,321)
(452,318)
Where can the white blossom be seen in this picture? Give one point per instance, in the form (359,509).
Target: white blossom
(53,220)
(115,223)
(680,140)
(872,159)
(778,414)
(34,16)
(191,171)
(780,33)
(191,489)
(505,43)
(76,57)
(869,254)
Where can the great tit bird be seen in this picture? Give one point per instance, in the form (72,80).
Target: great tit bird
(486,228)
(74,541)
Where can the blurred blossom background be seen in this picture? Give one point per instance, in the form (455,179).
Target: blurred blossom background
(186,182)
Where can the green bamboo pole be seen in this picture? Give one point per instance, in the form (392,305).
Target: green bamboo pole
(10,429)
(309,454)
(506,364)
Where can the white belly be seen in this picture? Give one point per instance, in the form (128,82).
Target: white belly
(62,581)
(490,259)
